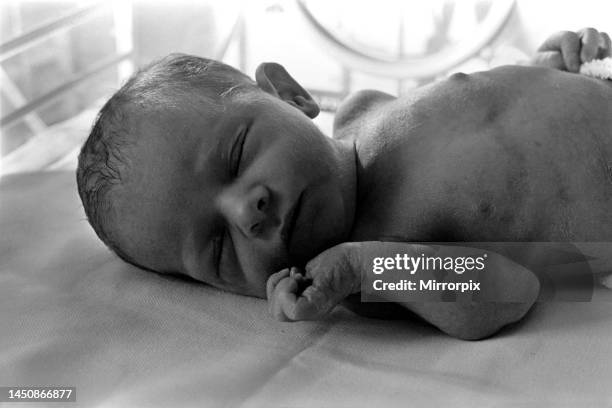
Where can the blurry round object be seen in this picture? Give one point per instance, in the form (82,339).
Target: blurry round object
(402,39)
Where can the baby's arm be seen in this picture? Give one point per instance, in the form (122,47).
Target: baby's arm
(337,273)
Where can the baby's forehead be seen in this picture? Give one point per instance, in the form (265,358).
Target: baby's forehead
(181,133)
(163,128)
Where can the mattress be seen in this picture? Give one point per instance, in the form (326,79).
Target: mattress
(72,314)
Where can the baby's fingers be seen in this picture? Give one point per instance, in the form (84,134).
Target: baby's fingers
(282,300)
(313,304)
(273,280)
(317,302)
(568,43)
(285,304)
(590,39)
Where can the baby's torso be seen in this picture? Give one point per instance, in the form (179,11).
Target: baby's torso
(514,154)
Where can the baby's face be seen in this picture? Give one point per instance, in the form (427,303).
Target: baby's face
(228,198)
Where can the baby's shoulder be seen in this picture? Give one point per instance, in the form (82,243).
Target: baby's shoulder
(356,109)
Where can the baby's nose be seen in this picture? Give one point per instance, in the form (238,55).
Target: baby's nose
(249,210)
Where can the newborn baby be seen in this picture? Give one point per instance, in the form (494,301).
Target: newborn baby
(192,168)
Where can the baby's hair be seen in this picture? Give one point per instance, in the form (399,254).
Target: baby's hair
(162,85)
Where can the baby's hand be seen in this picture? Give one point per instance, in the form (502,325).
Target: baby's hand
(329,279)
(567,50)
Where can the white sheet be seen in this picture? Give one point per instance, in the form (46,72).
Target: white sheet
(72,314)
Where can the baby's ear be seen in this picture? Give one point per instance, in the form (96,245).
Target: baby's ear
(275,80)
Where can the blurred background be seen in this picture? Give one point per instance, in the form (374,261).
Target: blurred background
(60,60)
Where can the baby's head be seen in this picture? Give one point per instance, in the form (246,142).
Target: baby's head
(193,168)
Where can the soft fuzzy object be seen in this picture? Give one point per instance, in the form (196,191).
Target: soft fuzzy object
(600,68)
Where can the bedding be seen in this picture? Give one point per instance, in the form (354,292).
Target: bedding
(55,147)
(72,314)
